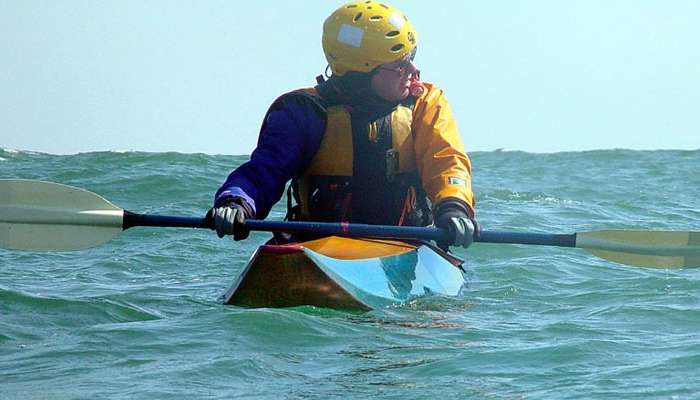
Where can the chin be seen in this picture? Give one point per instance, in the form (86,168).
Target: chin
(404,94)
(399,94)
(396,96)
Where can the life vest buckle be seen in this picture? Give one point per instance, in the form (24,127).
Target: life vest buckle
(392,164)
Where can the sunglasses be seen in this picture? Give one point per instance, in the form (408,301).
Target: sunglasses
(404,66)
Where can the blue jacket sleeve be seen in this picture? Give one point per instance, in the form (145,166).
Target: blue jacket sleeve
(289,138)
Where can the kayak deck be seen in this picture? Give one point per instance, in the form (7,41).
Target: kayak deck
(344,273)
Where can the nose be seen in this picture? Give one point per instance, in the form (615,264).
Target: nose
(411,68)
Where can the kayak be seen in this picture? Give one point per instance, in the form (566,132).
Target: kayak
(344,273)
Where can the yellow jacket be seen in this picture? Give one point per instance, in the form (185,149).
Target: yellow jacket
(442,163)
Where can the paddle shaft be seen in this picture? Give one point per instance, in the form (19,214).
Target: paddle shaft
(316,228)
(542,239)
(353,230)
(133,219)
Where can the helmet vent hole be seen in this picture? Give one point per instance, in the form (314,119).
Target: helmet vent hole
(384,5)
(376,18)
(397,47)
(357,17)
(392,34)
(352,6)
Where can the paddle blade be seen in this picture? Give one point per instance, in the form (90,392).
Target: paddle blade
(45,216)
(658,249)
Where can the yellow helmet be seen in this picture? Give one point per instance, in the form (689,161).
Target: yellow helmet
(362,35)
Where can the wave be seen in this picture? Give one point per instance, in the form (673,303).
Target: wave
(74,311)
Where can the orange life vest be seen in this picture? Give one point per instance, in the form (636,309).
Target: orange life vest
(364,170)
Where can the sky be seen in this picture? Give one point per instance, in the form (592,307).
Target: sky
(198,76)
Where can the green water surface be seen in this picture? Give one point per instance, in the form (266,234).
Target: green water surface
(141,316)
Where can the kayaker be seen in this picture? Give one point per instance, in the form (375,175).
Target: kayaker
(370,144)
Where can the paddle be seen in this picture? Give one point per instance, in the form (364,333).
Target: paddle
(38,215)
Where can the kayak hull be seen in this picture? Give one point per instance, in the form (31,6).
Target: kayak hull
(344,273)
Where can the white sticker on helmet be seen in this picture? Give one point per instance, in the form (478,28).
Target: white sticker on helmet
(350,35)
(397,20)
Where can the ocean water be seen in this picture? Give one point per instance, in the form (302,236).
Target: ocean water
(141,316)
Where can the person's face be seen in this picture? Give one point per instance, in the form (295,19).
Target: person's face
(392,81)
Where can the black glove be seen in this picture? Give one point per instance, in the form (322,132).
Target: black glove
(229,218)
(454,218)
